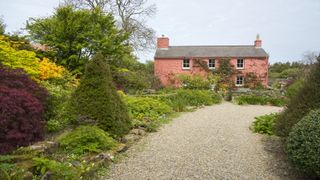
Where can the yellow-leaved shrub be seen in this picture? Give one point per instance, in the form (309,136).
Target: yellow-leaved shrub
(49,70)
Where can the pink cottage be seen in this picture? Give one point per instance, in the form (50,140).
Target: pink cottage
(173,60)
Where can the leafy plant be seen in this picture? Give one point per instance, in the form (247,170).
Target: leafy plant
(141,107)
(294,88)
(146,112)
(97,98)
(181,98)
(259,100)
(307,99)
(48,70)
(303,144)
(86,139)
(131,80)
(264,124)
(197,81)
(59,114)
(18,59)
(8,169)
(58,170)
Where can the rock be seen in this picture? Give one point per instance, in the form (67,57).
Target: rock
(47,176)
(43,146)
(76,163)
(83,120)
(27,175)
(138,132)
(131,138)
(103,156)
(122,148)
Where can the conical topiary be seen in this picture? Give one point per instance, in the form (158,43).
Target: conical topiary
(97,98)
(307,99)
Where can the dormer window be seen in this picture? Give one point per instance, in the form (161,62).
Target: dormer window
(212,64)
(240,63)
(186,64)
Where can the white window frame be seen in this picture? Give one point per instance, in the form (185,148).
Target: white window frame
(238,80)
(185,63)
(214,63)
(238,67)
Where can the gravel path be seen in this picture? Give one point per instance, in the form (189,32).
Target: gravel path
(211,143)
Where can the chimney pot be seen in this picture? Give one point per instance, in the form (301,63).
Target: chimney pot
(163,42)
(258,42)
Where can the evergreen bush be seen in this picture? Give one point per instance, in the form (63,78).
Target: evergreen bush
(86,139)
(303,144)
(307,99)
(97,98)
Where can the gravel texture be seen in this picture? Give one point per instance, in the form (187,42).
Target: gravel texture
(211,143)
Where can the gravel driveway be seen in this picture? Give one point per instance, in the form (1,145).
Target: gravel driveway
(211,143)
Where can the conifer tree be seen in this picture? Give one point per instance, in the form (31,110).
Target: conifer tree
(97,98)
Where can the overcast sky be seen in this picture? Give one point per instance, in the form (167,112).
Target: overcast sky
(288,28)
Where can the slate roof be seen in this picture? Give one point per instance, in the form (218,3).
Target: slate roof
(210,51)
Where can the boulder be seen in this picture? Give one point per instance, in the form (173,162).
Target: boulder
(140,132)
(43,146)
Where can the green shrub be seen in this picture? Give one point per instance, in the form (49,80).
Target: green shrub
(307,99)
(131,80)
(97,98)
(292,72)
(59,115)
(197,81)
(179,99)
(141,107)
(58,170)
(294,88)
(251,99)
(303,144)
(8,168)
(259,100)
(264,124)
(146,112)
(86,139)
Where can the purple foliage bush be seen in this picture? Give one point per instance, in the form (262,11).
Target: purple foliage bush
(18,79)
(21,110)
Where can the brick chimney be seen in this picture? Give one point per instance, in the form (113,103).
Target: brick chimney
(258,42)
(163,42)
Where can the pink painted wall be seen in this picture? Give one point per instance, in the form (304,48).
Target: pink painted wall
(167,69)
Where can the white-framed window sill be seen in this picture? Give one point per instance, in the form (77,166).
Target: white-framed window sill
(240,68)
(212,68)
(184,68)
(239,85)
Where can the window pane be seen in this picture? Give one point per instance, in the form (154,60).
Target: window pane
(240,80)
(186,63)
(211,63)
(240,63)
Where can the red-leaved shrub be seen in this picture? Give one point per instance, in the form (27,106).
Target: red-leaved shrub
(21,109)
(18,79)
(21,117)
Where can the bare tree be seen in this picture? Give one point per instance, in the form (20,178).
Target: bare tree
(310,57)
(89,4)
(131,16)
